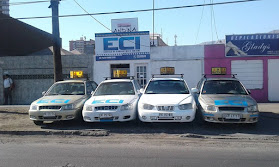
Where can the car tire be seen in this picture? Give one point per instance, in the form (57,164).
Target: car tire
(78,116)
(38,122)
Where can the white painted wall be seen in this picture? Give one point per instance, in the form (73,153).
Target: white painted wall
(273,80)
(192,69)
(187,60)
(177,52)
(102,68)
(249,72)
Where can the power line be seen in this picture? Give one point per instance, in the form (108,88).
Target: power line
(215,23)
(26,3)
(211,17)
(102,23)
(91,16)
(200,23)
(135,11)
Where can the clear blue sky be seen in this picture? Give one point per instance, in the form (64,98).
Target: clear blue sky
(241,18)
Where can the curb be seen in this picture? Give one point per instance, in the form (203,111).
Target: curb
(96,133)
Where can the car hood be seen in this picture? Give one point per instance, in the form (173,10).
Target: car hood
(227,100)
(59,99)
(111,100)
(166,99)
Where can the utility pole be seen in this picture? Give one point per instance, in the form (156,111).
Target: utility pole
(56,41)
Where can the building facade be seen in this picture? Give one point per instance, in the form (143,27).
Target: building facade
(187,60)
(34,74)
(4,7)
(83,46)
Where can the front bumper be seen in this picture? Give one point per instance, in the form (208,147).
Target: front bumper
(53,115)
(220,117)
(109,116)
(167,116)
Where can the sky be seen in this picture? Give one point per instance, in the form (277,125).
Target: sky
(191,25)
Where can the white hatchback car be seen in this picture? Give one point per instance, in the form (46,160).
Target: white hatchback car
(113,100)
(167,100)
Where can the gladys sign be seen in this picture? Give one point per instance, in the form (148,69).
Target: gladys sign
(122,46)
(252,45)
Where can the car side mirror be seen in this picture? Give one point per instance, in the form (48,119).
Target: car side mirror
(194,90)
(43,93)
(141,90)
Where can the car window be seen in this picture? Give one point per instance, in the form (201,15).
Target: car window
(115,88)
(69,88)
(223,87)
(199,85)
(89,88)
(137,85)
(167,87)
(94,85)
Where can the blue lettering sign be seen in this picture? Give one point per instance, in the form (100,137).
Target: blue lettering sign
(107,43)
(109,101)
(134,41)
(230,102)
(56,101)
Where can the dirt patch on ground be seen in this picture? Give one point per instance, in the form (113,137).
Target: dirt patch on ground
(16,118)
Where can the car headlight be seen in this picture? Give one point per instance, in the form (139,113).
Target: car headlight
(128,106)
(33,107)
(252,108)
(211,108)
(185,106)
(88,107)
(69,107)
(147,106)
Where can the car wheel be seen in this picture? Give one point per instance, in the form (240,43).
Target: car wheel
(38,122)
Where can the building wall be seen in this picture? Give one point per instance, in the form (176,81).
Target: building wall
(215,57)
(34,74)
(187,60)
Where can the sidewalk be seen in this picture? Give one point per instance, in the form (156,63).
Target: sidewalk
(14,119)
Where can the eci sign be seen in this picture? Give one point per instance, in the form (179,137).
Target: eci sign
(252,45)
(122,46)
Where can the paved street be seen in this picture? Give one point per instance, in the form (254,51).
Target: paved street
(77,152)
(75,144)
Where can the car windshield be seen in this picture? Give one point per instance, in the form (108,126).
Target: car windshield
(167,87)
(223,87)
(115,88)
(70,88)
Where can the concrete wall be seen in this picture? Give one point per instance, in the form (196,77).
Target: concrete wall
(34,74)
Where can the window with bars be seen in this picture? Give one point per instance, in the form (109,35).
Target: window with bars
(141,75)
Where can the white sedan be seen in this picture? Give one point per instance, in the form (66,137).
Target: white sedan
(166,100)
(114,100)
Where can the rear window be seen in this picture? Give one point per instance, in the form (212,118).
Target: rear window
(223,87)
(167,87)
(115,88)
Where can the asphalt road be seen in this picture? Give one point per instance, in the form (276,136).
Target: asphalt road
(47,152)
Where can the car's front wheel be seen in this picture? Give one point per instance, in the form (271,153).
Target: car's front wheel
(38,122)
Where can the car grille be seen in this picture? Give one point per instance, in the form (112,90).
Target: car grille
(165,108)
(232,120)
(48,118)
(231,108)
(106,108)
(49,107)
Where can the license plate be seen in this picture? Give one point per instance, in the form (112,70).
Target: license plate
(231,116)
(106,115)
(49,114)
(165,115)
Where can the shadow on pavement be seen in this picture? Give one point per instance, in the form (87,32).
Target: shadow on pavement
(267,125)
(9,112)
